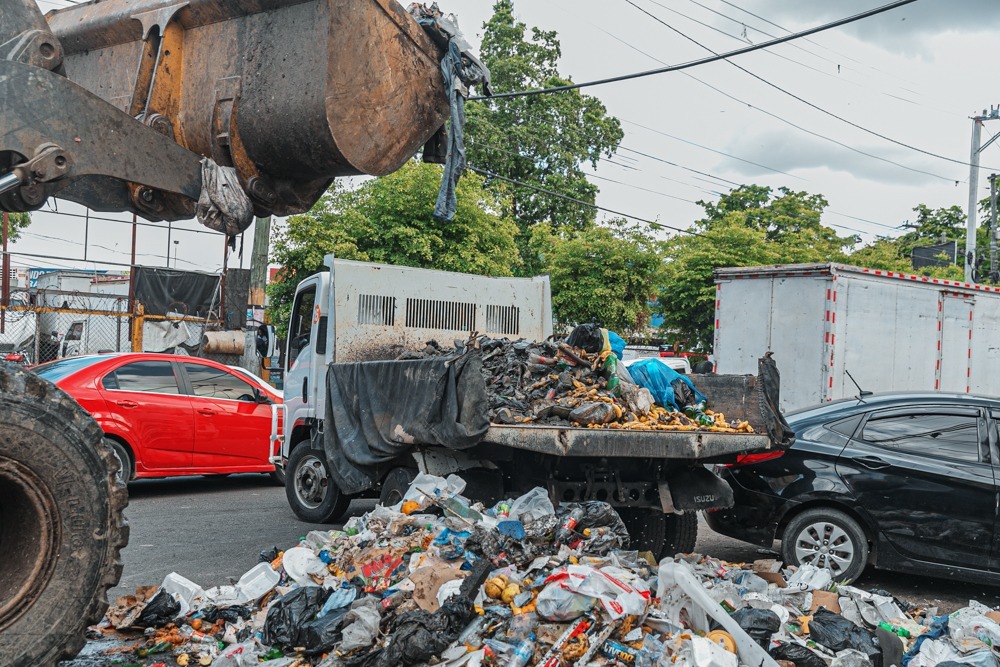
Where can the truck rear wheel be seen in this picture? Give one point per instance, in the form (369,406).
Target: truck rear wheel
(311,491)
(663,534)
(61,523)
(395,485)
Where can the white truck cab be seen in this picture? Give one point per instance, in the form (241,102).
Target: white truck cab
(359,311)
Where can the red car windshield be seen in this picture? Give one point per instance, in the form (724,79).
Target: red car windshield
(54,371)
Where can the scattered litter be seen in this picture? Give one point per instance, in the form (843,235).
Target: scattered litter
(436,587)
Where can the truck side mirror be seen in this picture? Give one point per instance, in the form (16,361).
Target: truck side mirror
(266,341)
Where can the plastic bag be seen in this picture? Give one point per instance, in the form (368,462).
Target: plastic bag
(287,617)
(532,506)
(587,337)
(607,530)
(617,344)
(760,624)
(620,592)
(800,655)
(810,578)
(593,413)
(163,608)
(424,487)
(558,603)
(322,634)
(360,625)
(837,633)
(661,381)
(851,658)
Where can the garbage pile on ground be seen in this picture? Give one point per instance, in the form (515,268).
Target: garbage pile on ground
(581,382)
(436,580)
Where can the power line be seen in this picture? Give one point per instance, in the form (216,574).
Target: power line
(713,150)
(558,195)
(814,106)
(703,61)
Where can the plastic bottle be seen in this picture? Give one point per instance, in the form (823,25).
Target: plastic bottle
(896,630)
(472,635)
(566,531)
(523,653)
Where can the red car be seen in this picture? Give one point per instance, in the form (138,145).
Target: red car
(167,415)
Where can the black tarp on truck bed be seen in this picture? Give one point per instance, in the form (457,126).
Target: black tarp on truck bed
(376,411)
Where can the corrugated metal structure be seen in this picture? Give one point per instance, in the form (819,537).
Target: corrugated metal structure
(381,308)
(891,331)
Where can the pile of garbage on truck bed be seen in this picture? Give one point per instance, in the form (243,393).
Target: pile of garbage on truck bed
(581,382)
(436,580)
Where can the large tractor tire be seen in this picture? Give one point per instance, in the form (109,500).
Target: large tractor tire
(61,523)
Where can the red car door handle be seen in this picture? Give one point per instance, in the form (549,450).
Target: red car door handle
(128,404)
(206,412)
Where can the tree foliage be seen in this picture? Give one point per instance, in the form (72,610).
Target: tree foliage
(543,140)
(16,223)
(932,226)
(607,274)
(390,220)
(750,226)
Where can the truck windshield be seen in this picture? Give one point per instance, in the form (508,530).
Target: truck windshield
(57,370)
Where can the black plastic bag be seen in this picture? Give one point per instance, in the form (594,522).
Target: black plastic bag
(162,609)
(286,620)
(232,614)
(598,514)
(760,624)
(587,337)
(800,655)
(837,633)
(321,635)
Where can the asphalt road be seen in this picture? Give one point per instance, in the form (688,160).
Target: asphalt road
(211,530)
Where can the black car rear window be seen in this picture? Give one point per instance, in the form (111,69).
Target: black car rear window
(928,434)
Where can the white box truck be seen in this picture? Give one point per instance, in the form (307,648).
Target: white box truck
(890,331)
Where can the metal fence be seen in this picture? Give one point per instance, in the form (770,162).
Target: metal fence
(49,324)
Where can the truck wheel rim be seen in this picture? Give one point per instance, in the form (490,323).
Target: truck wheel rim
(311,482)
(825,545)
(30,533)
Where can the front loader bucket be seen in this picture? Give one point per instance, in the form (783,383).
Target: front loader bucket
(292,93)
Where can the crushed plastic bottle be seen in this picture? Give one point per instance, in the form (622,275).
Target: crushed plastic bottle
(523,653)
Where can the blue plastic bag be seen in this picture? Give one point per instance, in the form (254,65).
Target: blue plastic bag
(617,344)
(659,379)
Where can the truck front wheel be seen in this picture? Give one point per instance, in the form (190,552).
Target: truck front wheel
(311,491)
(61,524)
(663,534)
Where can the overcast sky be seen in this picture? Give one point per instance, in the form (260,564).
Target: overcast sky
(914,75)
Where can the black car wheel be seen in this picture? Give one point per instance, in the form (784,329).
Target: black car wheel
(826,538)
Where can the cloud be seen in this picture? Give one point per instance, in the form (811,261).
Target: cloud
(900,29)
(778,150)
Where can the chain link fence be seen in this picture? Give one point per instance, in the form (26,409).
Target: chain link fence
(41,326)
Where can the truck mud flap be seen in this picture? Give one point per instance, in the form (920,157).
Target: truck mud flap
(693,489)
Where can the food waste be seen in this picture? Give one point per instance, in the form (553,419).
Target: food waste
(556,384)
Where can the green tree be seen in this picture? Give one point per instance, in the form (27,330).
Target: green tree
(750,226)
(931,226)
(16,223)
(543,140)
(390,220)
(605,273)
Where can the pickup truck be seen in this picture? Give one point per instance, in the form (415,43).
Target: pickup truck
(357,312)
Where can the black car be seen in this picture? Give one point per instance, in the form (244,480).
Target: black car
(907,482)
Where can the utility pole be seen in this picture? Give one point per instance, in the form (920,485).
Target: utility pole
(993,227)
(258,281)
(977,149)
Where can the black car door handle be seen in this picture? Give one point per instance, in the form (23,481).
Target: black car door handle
(871,462)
